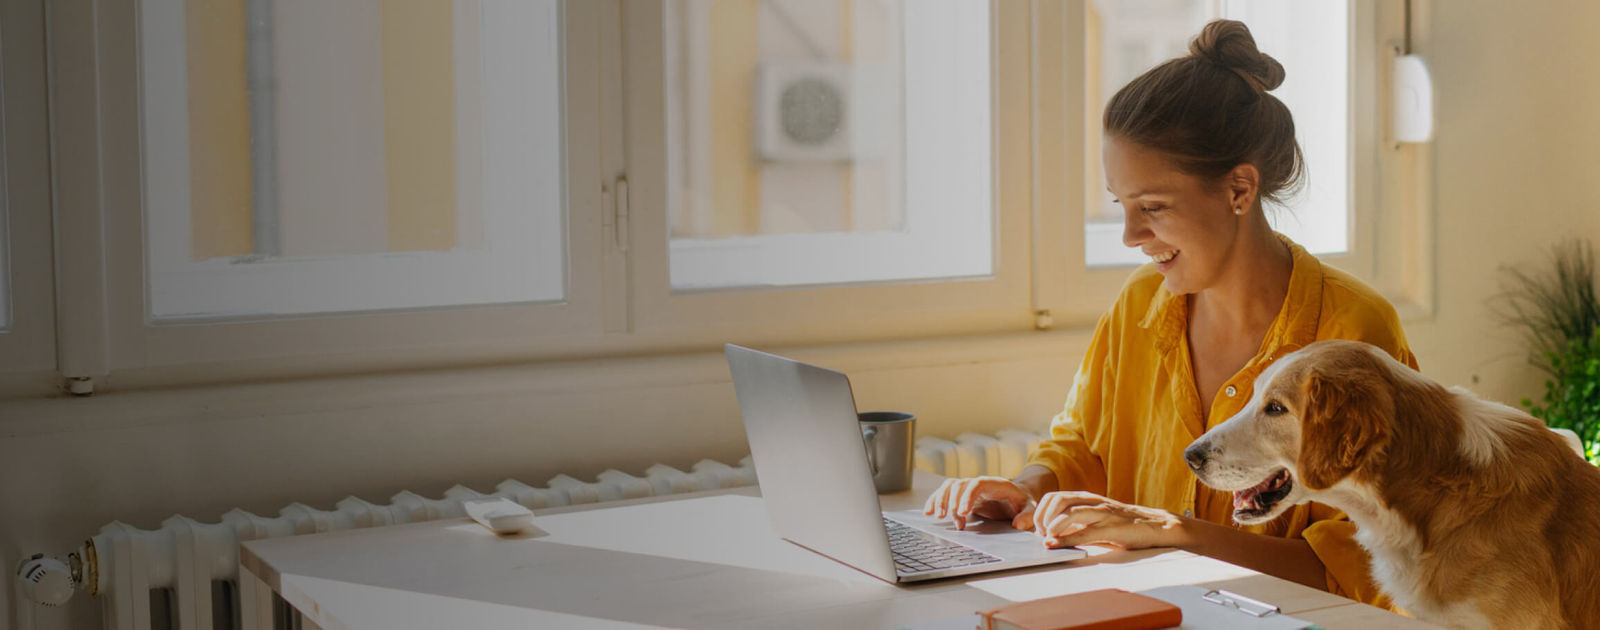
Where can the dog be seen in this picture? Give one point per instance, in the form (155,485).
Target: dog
(1474,513)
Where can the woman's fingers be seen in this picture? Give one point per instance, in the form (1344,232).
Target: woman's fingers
(1076,519)
(1088,524)
(1024,519)
(966,499)
(1114,536)
(937,502)
(958,497)
(945,502)
(1065,521)
(986,497)
(1057,503)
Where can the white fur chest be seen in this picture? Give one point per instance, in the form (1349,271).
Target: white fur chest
(1398,569)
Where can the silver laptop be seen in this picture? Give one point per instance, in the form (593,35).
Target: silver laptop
(815,481)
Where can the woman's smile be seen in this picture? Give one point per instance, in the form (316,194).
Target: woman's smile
(1163,259)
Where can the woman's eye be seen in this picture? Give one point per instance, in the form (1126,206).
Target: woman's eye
(1274,409)
(1152,208)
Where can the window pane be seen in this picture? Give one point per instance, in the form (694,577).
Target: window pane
(308,157)
(1310,39)
(827,142)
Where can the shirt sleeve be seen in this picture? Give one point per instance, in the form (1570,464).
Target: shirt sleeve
(1067,452)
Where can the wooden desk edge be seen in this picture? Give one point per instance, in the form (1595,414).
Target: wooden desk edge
(249,561)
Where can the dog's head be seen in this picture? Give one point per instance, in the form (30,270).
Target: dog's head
(1319,416)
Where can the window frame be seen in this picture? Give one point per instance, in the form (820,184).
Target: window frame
(1388,180)
(998,302)
(620,300)
(261,287)
(109,291)
(28,343)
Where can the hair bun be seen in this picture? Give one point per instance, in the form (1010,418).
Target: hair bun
(1228,43)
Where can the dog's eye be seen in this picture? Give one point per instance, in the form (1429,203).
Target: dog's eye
(1273,408)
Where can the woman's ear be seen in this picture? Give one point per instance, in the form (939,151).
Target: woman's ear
(1244,182)
(1345,424)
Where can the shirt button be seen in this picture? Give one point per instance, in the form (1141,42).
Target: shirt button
(1231,391)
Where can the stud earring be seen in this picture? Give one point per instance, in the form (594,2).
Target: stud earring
(1238,210)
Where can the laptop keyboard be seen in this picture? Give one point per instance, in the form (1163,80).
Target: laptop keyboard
(915,551)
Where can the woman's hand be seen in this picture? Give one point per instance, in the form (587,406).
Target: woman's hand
(988,498)
(1067,519)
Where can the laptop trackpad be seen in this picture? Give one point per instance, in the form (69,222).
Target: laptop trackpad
(997,538)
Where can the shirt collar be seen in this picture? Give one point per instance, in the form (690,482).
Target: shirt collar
(1294,327)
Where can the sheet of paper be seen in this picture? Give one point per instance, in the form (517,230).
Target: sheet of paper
(1176,568)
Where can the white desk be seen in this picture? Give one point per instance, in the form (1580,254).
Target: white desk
(706,560)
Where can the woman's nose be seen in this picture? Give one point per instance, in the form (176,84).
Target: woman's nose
(1134,230)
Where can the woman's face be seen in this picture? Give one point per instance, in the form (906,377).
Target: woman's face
(1185,225)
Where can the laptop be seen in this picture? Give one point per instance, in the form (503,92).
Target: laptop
(817,485)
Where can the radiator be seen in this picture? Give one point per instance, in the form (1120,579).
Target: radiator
(184,575)
(970,455)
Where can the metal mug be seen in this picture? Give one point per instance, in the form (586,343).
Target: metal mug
(889,437)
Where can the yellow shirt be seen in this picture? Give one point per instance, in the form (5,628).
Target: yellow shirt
(1134,406)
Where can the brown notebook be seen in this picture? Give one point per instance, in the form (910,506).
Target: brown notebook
(1106,609)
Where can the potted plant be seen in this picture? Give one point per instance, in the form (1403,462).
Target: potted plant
(1557,310)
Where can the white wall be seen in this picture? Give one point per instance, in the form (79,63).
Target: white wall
(1516,153)
(1518,145)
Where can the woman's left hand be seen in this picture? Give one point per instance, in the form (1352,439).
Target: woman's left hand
(1066,519)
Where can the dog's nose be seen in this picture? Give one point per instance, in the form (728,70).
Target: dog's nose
(1196,456)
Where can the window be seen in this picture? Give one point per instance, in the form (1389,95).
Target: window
(363,260)
(1311,40)
(1080,262)
(27,278)
(822,172)
(299,194)
(350,156)
(826,143)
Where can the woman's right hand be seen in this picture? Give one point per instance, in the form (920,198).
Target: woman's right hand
(988,498)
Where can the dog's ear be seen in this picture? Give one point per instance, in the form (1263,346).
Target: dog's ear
(1345,423)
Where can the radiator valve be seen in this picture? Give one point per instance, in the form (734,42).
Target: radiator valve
(47,581)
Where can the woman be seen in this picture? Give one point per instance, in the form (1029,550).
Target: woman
(1192,148)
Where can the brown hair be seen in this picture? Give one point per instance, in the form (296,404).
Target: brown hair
(1210,111)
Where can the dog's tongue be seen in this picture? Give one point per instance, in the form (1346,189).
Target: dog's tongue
(1245,499)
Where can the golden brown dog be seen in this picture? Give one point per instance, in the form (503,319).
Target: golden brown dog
(1475,514)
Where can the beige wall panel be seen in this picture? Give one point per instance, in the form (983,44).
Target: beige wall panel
(1516,141)
(419,121)
(219,129)
(1095,103)
(735,179)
